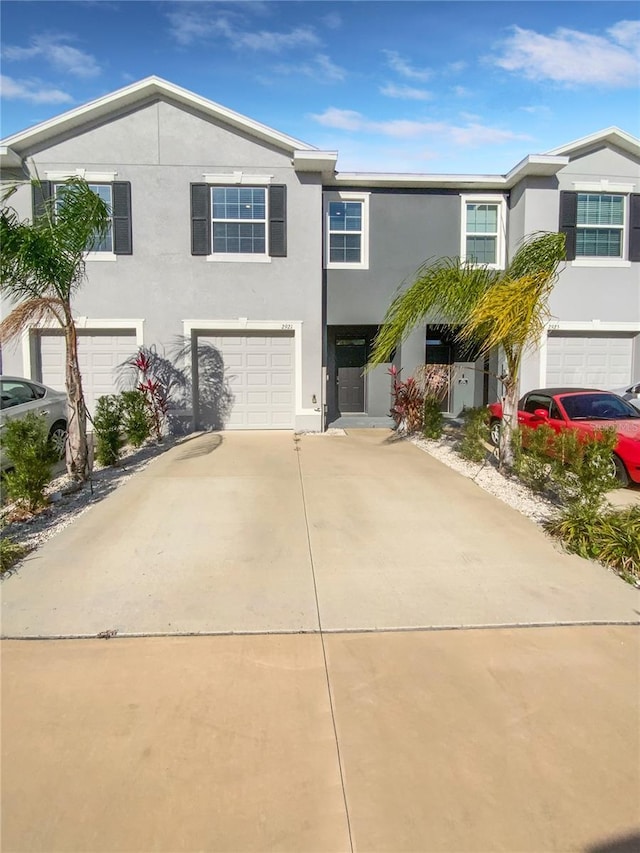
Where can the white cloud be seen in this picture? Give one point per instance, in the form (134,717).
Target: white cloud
(333,21)
(537,109)
(32,91)
(55,50)
(194,24)
(405,93)
(320,68)
(404,69)
(461,91)
(572,57)
(471,135)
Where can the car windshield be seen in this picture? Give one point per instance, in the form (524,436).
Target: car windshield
(597,407)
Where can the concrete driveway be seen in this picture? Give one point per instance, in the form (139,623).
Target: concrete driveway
(345,737)
(259,532)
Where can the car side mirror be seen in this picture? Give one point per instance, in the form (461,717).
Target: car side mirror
(541,414)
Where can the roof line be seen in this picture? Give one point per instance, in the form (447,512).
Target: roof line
(143,88)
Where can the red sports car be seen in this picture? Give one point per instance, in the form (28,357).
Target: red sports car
(584,410)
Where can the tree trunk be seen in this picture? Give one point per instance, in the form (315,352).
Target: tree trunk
(509,421)
(77,448)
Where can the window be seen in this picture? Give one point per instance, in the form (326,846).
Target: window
(601,228)
(599,225)
(483,231)
(537,401)
(117,195)
(15,393)
(346,226)
(105,244)
(239,223)
(239,216)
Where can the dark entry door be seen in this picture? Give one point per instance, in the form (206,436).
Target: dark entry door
(351,358)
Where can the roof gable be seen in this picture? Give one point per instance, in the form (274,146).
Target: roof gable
(610,135)
(137,93)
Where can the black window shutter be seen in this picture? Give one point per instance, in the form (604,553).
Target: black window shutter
(568,219)
(634,227)
(200,219)
(41,192)
(122,232)
(278,221)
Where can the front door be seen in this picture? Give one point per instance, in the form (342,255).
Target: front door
(351,358)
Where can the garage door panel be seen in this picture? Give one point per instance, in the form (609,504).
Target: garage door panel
(259,373)
(99,355)
(596,360)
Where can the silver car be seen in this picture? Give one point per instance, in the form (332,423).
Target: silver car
(21,396)
(631,393)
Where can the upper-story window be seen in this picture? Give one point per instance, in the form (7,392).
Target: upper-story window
(483,231)
(118,239)
(238,222)
(600,225)
(239,217)
(103,191)
(346,230)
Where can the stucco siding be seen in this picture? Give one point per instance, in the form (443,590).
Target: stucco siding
(160,149)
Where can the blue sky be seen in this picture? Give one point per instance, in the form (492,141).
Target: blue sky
(394,86)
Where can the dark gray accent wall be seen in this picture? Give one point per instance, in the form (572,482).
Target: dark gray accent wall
(405,229)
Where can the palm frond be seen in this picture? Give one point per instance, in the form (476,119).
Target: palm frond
(31,312)
(443,291)
(540,252)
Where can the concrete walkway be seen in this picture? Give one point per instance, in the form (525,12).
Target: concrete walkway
(312,729)
(259,532)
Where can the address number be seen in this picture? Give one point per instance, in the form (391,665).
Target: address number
(287,326)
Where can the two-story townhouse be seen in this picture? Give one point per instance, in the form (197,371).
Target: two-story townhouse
(215,239)
(380,228)
(232,236)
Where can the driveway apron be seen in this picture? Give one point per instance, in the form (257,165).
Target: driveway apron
(268,532)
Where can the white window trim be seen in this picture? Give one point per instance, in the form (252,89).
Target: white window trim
(364,243)
(236,178)
(501,241)
(577,326)
(82,324)
(602,188)
(243,324)
(89,177)
(258,181)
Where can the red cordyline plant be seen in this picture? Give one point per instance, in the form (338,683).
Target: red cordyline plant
(407,402)
(155,392)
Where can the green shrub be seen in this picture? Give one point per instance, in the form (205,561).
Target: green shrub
(10,553)
(32,457)
(582,471)
(432,419)
(611,537)
(107,425)
(532,459)
(475,434)
(135,417)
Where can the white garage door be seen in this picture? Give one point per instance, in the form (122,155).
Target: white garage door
(593,361)
(99,354)
(259,376)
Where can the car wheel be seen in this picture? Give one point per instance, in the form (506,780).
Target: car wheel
(58,437)
(495,428)
(619,471)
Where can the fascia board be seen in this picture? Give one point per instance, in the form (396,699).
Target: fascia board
(380,179)
(314,160)
(614,135)
(136,92)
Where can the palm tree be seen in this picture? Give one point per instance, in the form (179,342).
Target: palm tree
(490,308)
(42,266)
